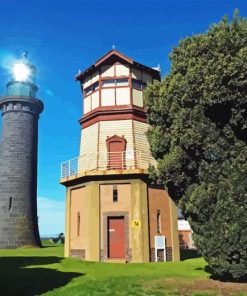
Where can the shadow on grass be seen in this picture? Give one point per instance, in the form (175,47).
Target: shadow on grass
(50,246)
(225,277)
(188,254)
(16,278)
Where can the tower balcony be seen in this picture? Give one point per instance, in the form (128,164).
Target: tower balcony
(111,162)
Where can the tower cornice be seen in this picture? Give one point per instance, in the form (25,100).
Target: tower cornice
(7,100)
(123,112)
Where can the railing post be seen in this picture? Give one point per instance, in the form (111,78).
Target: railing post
(106,160)
(97,161)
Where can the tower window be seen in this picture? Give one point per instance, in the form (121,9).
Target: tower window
(158,222)
(122,82)
(10,203)
(91,88)
(115,193)
(107,83)
(78,223)
(137,84)
(115,82)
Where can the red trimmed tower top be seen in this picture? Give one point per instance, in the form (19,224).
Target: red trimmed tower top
(112,89)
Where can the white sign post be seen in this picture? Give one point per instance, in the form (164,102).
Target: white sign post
(160,244)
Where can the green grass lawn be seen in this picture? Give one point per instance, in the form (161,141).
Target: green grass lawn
(30,272)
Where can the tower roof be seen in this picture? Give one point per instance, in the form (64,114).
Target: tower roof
(112,56)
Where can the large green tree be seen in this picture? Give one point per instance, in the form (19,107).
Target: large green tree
(198,134)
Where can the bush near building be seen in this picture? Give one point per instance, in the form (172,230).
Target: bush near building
(198,134)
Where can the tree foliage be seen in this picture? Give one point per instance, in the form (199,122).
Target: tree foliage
(198,134)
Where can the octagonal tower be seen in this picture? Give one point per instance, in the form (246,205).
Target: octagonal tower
(113,210)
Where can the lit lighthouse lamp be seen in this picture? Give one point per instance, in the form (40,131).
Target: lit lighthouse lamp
(23,82)
(21,72)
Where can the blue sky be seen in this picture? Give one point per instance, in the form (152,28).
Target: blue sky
(64,36)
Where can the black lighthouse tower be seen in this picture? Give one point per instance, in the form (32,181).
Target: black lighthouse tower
(18,158)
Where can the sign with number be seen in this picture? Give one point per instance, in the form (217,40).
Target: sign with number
(136,224)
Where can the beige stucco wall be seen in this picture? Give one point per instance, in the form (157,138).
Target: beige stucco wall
(132,198)
(67,224)
(96,198)
(139,212)
(174,230)
(107,205)
(86,201)
(159,200)
(92,220)
(78,204)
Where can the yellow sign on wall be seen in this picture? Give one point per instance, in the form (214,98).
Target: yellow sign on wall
(136,224)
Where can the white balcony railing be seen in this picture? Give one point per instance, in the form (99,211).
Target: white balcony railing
(127,160)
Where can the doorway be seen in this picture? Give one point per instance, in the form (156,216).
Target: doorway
(116,147)
(116,237)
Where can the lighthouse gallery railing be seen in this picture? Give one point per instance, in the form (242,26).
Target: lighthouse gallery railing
(126,160)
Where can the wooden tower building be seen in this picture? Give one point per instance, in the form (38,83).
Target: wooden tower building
(112,210)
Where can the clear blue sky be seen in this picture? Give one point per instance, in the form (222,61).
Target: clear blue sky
(63,36)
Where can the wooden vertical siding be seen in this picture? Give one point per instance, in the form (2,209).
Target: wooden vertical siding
(110,128)
(141,144)
(89,147)
(94,145)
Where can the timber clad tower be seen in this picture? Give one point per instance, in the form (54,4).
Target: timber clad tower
(112,210)
(18,159)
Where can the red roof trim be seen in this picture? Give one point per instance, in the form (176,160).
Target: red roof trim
(111,53)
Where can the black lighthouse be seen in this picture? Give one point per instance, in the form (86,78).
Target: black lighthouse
(18,158)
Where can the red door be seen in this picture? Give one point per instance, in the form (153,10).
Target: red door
(116,152)
(116,155)
(116,237)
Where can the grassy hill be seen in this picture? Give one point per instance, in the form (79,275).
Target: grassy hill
(29,272)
